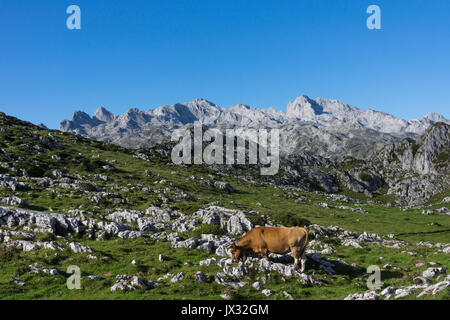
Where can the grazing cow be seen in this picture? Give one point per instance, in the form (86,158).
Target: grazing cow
(262,240)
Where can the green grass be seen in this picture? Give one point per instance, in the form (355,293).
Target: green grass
(122,252)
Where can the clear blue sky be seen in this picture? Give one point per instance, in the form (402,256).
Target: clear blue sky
(257,52)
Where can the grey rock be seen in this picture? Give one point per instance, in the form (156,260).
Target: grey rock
(436,288)
(352,243)
(288,295)
(37,268)
(178,277)
(420,280)
(13,201)
(428,212)
(233,221)
(130,283)
(162,258)
(432,272)
(223,186)
(200,277)
(257,286)
(267,292)
(18,282)
(78,247)
(368,295)
(128,234)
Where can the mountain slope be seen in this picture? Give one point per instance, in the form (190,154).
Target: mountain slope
(140,227)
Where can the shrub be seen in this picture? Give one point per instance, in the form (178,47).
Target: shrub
(206,229)
(364,176)
(257,220)
(291,220)
(86,186)
(8,254)
(45,236)
(36,172)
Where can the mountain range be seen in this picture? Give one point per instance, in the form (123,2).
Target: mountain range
(323,127)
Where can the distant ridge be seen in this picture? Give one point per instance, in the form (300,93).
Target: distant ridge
(322,126)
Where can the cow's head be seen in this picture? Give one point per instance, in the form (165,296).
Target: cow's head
(236,251)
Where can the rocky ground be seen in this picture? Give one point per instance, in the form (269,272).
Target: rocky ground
(139,227)
(166,225)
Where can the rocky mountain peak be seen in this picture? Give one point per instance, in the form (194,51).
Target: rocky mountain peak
(81,116)
(201,101)
(303,108)
(326,126)
(435,117)
(104,115)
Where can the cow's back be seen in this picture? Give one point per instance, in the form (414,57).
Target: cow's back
(281,240)
(275,239)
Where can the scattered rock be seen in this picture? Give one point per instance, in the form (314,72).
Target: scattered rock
(428,212)
(131,283)
(287,295)
(162,258)
(178,277)
(421,280)
(13,201)
(78,247)
(257,286)
(432,272)
(18,282)
(368,295)
(200,277)
(267,292)
(223,186)
(36,268)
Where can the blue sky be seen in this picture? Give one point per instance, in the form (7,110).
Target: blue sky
(261,53)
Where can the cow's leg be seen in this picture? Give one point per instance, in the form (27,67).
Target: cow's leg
(299,256)
(303,261)
(264,252)
(296,254)
(295,263)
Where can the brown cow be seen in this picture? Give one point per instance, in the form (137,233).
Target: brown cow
(262,240)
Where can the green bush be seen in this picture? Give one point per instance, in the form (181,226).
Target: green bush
(92,164)
(36,172)
(257,220)
(206,229)
(88,187)
(364,176)
(46,236)
(291,220)
(8,254)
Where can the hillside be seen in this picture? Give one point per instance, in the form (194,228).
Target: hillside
(140,227)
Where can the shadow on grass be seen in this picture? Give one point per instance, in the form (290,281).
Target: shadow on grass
(33,207)
(391,275)
(339,267)
(423,232)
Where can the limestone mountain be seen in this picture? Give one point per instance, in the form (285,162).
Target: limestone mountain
(325,127)
(427,155)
